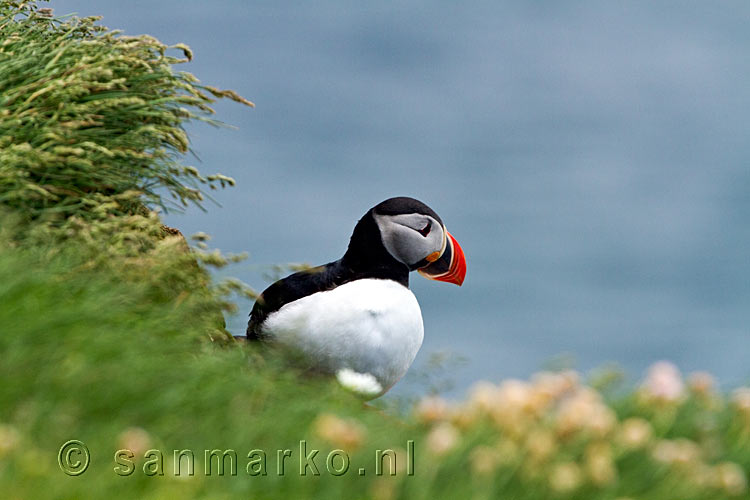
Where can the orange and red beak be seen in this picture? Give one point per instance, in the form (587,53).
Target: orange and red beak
(450,266)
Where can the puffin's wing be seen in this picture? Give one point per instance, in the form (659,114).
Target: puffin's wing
(289,289)
(257,316)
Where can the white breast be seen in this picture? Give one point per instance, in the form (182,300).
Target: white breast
(370,327)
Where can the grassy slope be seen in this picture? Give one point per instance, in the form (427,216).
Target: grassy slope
(109,335)
(89,357)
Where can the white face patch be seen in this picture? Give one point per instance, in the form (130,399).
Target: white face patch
(410,238)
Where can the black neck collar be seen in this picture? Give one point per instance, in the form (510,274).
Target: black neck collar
(367,257)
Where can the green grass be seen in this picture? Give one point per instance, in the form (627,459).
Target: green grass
(88,356)
(111,333)
(87,115)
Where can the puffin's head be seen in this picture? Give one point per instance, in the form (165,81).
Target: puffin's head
(414,235)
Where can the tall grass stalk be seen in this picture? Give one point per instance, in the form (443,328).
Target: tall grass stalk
(89,116)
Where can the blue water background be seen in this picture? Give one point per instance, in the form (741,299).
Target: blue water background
(593,159)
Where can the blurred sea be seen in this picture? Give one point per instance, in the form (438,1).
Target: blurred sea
(592,158)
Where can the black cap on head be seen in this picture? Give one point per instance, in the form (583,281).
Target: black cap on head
(404,205)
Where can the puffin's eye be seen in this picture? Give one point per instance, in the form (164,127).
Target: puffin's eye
(425,230)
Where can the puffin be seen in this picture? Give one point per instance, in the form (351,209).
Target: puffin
(356,318)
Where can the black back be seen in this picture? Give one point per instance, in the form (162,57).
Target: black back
(366,257)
